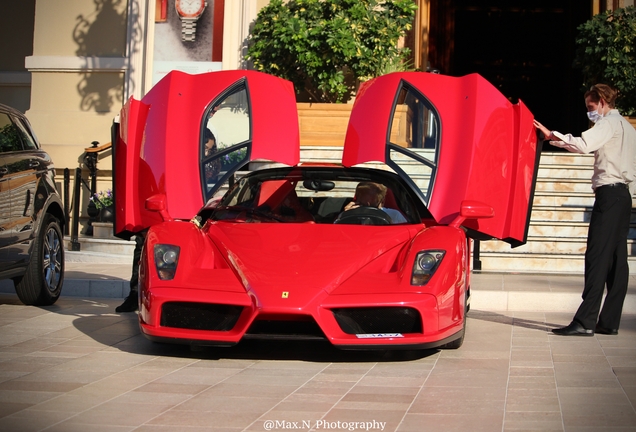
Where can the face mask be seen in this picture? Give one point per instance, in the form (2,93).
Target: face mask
(594,116)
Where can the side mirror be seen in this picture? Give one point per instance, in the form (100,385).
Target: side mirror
(157,203)
(470,209)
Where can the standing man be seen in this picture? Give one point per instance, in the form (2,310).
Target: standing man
(613,141)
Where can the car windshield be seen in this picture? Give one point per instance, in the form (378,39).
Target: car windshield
(300,195)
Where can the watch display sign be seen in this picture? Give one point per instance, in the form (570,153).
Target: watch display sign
(189,12)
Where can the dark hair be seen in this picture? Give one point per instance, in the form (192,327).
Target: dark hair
(602,91)
(208,135)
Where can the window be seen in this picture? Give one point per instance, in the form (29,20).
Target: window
(415,123)
(225,138)
(11,136)
(28,141)
(414,138)
(316,195)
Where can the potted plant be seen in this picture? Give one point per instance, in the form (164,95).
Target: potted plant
(104,202)
(606,53)
(327,47)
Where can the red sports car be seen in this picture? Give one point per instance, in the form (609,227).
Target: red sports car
(370,253)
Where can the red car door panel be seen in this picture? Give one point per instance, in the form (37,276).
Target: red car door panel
(158,150)
(457,139)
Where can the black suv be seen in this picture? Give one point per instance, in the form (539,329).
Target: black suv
(31,215)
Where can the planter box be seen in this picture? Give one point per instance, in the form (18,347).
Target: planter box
(632,120)
(323,124)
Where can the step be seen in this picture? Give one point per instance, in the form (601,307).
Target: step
(566,159)
(565,186)
(92,249)
(538,263)
(567,229)
(320,154)
(567,213)
(564,213)
(540,245)
(563,199)
(547,245)
(565,172)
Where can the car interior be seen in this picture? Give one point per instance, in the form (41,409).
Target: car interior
(258,198)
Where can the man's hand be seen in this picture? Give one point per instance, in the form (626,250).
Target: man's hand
(544,130)
(351,205)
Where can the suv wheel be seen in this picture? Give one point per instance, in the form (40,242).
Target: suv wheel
(41,285)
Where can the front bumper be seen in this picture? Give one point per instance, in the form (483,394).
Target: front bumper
(378,321)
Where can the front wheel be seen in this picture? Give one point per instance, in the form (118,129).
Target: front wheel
(457,343)
(41,285)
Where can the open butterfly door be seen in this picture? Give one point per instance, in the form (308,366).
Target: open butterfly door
(454,140)
(185,138)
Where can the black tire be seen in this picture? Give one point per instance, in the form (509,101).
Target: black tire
(457,343)
(42,282)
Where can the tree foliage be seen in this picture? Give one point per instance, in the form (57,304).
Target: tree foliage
(327,47)
(606,53)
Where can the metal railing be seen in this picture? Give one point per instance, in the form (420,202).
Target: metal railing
(91,158)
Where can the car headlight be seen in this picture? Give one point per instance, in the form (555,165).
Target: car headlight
(166,259)
(425,265)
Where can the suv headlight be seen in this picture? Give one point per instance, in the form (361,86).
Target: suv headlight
(425,265)
(166,259)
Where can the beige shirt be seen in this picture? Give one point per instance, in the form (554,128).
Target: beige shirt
(613,141)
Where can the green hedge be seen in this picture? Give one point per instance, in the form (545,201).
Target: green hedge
(326,47)
(606,53)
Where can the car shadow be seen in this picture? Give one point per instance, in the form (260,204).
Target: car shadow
(96,319)
(258,349)
(513,321)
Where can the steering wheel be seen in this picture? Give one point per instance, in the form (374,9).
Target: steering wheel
(364,216)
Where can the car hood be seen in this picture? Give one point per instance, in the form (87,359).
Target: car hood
(311,258)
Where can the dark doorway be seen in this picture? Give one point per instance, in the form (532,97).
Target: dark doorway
(524,47)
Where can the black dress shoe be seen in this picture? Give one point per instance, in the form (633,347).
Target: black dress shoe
(606,331)
(130,304)
(574,329)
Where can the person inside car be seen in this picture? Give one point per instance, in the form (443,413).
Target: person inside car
(369,194)
(212,168)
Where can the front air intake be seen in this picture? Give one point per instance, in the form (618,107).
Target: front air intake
(289,329)
(200,316)
(378,320)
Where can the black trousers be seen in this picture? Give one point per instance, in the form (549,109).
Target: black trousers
(140,238)
(606,259)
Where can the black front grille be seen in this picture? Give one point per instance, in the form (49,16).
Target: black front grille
(285,329)
(378,320)
(200,316)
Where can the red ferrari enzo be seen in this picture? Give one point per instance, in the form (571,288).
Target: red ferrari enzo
(370,253)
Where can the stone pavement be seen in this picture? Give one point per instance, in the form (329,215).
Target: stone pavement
(79,366)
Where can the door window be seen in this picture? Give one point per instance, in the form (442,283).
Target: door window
(414,139)
(225,138)
(11,136)
(28,142)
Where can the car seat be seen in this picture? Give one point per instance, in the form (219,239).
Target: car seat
(279,197)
